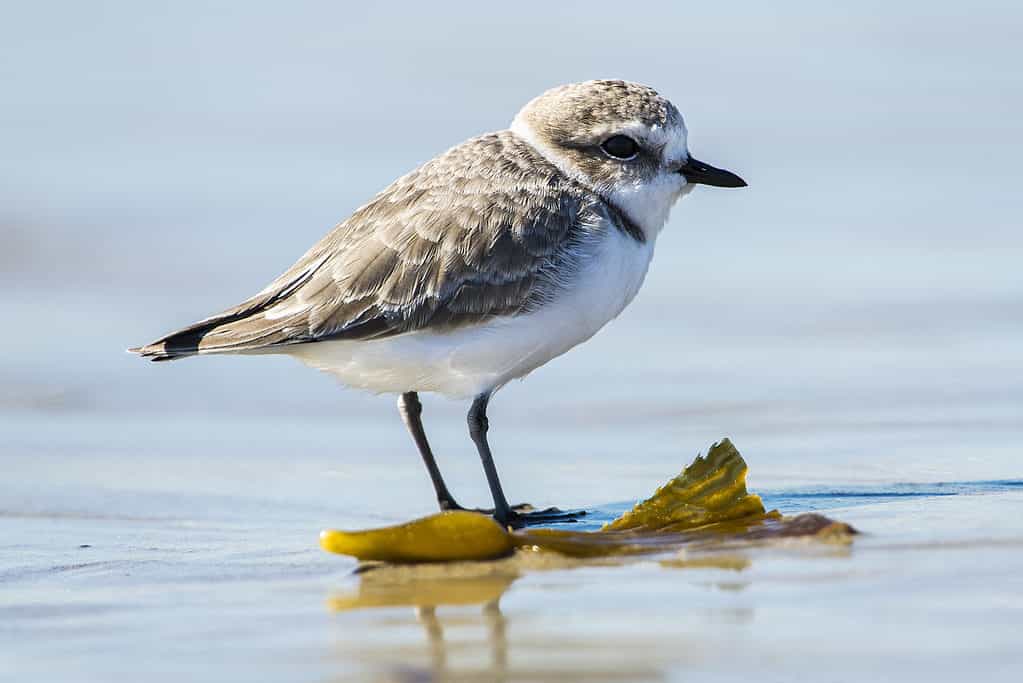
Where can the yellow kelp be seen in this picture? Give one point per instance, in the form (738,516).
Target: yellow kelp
(710,494)
(712,489)
(444,537)
(707,500)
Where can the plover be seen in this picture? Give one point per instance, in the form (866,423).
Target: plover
(482,264)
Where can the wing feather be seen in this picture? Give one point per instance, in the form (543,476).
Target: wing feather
(478,232)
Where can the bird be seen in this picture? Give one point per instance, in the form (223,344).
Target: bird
(481,265)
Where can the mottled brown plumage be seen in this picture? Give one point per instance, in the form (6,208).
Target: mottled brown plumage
(484,230)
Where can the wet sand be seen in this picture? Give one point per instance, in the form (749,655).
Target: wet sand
(211,585)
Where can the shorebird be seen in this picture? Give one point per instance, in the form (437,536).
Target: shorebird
(482,264)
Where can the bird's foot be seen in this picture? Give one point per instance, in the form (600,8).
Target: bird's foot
(524,515)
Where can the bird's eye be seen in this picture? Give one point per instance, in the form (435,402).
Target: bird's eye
(620,147)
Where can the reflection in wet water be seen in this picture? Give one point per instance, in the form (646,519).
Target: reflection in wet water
(496,627)
(387,587)
(383,586)
(437,597)
(451,646)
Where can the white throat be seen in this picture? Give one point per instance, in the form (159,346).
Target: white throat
(649,204)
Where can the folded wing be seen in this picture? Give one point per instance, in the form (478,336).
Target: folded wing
(487,229)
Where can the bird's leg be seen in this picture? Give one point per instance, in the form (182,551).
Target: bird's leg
(411,410)
(478,426)
(411,414)
(504,513)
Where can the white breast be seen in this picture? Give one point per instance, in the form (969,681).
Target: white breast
(471,360)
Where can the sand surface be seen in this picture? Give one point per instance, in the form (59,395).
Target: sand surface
(212,585)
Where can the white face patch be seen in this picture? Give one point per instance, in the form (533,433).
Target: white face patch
(671,140)
(522,128)
(676,147)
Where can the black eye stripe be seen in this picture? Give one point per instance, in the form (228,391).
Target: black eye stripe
(620,147)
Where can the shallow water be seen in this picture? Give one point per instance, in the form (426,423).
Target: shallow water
(853,321)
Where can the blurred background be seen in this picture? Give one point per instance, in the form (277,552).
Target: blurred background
(854,317)
(163,161)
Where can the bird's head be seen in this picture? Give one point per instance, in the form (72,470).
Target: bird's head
(622,140)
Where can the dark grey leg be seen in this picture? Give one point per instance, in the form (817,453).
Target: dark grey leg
(478,426)
(411,410)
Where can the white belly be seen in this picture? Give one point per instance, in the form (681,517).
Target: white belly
(471,360)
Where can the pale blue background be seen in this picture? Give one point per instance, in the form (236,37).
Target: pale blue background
(164,161)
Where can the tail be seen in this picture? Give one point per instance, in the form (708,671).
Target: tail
(238,329)
(181,344)
(193,340)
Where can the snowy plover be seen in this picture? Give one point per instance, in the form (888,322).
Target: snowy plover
(482,264)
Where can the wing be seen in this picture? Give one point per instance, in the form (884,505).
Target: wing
(487,229)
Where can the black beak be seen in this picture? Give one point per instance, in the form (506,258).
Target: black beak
(699,173)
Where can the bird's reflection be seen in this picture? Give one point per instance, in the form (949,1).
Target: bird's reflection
(497,639)
(395,587)
(432,590)
(400,586)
